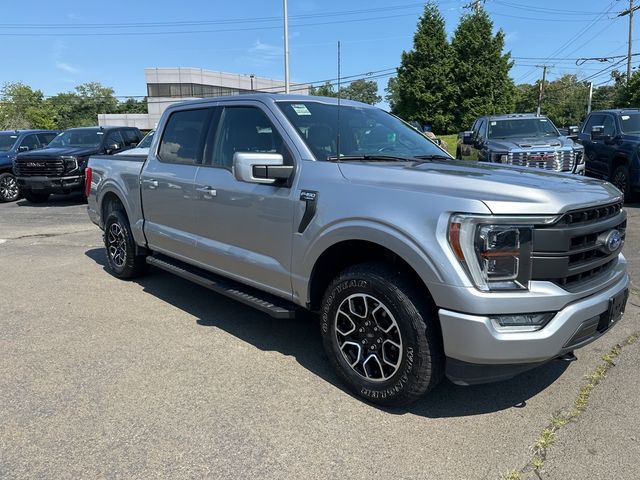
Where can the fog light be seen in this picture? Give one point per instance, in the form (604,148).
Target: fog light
(523,322)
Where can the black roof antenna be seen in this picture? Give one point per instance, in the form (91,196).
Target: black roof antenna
(338,136)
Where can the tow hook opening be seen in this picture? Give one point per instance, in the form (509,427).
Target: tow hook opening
(567,357)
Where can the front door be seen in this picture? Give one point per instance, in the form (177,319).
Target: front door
(244,230)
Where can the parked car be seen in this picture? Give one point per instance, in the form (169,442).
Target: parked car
(142,148)
(521,139)
(60,168)
(419,265)
(11,143)
(611,140)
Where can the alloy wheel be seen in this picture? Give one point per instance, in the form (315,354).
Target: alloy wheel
(117,245)
(8,188)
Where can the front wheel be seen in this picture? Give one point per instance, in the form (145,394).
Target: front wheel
(381,336)
(36,197)
(9,189)
(121,248)
(620,179)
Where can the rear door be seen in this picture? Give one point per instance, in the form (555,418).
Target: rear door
(244,230)
(166,183)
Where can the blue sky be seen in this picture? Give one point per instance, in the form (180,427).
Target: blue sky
(53,46)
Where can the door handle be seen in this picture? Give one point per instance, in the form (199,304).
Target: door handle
(152,184)
(207,190)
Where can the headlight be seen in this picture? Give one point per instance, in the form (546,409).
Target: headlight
(495,251)
(70,163)
(500,157)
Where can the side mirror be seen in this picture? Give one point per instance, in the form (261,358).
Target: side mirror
(264,168)
(23,148)
(597,133)
(467,138)
(112,148)
(573,131)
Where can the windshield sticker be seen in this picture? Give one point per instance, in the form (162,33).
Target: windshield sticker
(626,117)
(99,133)
(493,124)
(543,120)
(300,109)
(13,136)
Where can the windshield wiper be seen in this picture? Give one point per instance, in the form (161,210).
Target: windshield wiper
(433,157)
(370,158)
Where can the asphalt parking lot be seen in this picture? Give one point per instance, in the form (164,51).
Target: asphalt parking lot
(161,378)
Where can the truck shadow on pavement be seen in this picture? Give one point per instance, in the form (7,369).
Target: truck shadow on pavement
(56,201)
(300,338)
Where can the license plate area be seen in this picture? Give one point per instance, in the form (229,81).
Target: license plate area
(615,311)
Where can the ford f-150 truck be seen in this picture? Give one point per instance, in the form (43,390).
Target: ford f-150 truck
(419,265)
(59,168)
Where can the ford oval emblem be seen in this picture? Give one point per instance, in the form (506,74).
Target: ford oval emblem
(613,240)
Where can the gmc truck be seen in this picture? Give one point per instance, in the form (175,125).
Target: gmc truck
(611,140)
(59,168)
(420,266)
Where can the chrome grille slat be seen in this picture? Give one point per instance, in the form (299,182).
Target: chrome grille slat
(34,167)
(555,160)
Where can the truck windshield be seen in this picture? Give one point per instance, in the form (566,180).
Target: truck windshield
(7,140)
(630,123)
(364,131)
(522,128)
(89,137)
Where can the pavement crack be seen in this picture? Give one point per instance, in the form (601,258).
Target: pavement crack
(48,235)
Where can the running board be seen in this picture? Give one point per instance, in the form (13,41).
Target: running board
(270,304)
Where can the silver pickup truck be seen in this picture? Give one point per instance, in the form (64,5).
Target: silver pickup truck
(419,265)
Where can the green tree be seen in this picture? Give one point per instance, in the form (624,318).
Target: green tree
(23,107)
(628,95)
(481,71)
(131,105)
(324,90)
(365,91)
(424,88)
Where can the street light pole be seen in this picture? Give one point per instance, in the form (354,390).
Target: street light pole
(286,47)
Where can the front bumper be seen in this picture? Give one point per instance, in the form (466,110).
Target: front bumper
(52,184)
(478,353)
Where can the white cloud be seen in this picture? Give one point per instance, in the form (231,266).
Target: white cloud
(65,67)
(261,55)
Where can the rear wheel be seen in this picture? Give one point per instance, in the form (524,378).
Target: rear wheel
(121,248)
(9,190)
(621,180)
(381,336)
(36,197)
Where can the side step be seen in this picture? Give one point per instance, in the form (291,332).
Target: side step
(264,302)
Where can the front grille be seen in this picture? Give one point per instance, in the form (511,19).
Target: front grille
(556,160)
(35,167)
(572,250)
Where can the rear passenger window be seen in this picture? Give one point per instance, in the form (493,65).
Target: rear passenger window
(130,137)
(245,129)
(114,138)
(183,136)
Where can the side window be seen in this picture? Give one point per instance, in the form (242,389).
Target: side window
(592,121)
(183,136)
(114,137)
(609,125)
(130,137)
(244,129)
(481,131)
(45,138)
(31,142)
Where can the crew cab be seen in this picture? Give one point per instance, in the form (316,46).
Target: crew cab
(11,143)
(611,140)
(521,139)
(419,265)
(59,168)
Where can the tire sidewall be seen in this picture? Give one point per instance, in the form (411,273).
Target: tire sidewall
(622,170)
(378,392)
(11,199)
(127,269)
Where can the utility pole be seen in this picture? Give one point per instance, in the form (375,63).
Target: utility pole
(541,92)
(286,47)
(475,5)
(590,98)
(629,12)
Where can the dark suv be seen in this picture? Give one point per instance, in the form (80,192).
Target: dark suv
(611,140)
(60,167)
(522,139)
(11,143)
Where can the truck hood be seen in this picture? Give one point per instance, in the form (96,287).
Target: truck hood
(503,189)
(45,153)
(550,143)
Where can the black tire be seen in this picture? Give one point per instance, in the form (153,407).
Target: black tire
(9,189)
(36,197)
(621,180)
(419,363)
(121,248)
